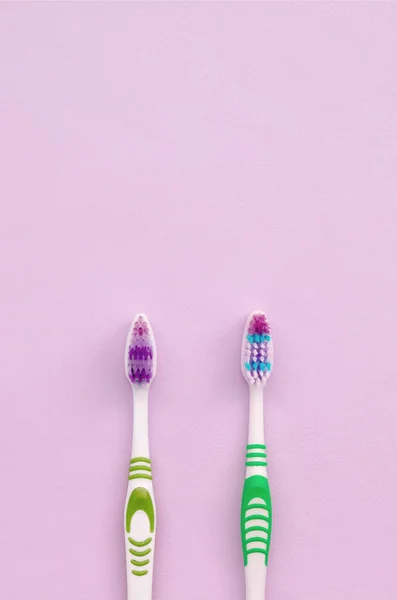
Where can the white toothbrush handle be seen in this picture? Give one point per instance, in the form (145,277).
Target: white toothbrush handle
(255,578)
(256,508)
(140,509)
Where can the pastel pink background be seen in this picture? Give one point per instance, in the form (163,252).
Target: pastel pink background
(198,161)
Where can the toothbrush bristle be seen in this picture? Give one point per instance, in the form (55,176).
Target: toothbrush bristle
(140,352)
(257,351)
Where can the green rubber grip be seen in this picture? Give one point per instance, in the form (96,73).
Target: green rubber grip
(140,499)
(256,496)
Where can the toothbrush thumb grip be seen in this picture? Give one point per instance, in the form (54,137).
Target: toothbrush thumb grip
(139,541)
(256,517)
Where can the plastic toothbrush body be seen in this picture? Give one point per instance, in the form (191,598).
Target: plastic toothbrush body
(256,507)
(140,510)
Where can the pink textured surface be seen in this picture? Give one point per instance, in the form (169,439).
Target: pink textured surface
(198,161)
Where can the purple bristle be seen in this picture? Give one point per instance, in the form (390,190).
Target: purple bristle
(257,352)
(259,325)
(140,353)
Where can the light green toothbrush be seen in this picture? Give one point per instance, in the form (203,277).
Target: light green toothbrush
(256,506)
(140,511)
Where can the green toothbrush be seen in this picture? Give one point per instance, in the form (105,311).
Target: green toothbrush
(140,511)
(256,506)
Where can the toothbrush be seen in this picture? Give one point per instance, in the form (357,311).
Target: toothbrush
(256,506)
(140,511)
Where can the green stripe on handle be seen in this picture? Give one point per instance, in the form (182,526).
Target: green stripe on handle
(257,528)
(139,563)
(256,455)
(141,468)
(262,506)
(256,539)
(136,553)
(140,476)
(252,458)
(256,518)
(256,550)
(140,544)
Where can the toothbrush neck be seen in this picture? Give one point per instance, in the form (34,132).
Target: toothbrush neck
(140,429)
(255,427)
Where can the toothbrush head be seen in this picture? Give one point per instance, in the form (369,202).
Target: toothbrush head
(257,350)
(140,353)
